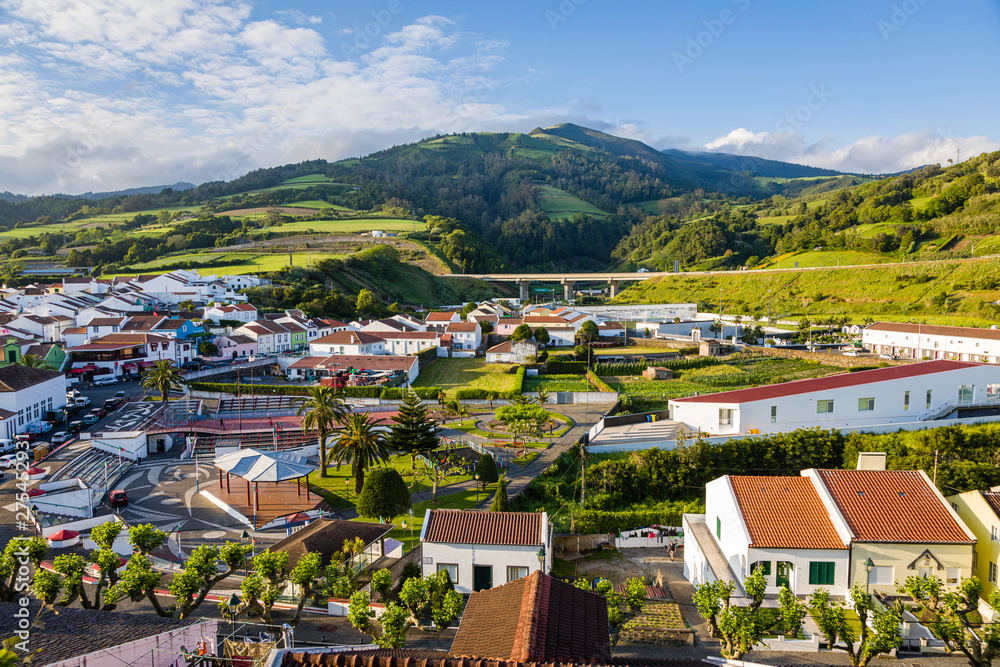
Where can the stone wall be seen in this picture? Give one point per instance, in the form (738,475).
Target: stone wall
(826,358)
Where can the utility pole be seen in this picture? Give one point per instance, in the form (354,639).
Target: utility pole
(583,473)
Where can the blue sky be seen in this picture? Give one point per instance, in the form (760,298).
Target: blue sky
(107,94)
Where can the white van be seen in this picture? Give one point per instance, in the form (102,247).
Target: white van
(7,446)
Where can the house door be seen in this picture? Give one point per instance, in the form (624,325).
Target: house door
(783,574)
(482,577)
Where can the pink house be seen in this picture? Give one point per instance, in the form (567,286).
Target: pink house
(234,346)
(505,325)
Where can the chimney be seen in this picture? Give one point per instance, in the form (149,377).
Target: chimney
(871,461)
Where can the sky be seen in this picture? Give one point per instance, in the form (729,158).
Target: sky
(101,95)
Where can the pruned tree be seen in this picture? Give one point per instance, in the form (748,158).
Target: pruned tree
(207,567)
(260,590)
(500,501)
(384,495)
(435,594)
(486,470)
(831,616)
(435,473)
(388,631)
(742,628)
(955,616)
(523,421)
(19,552)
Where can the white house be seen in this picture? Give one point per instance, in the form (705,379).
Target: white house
(611,329)
(318,367)
(439,320)
(410,342)
(776,523)
(897,394)
(241,312)
(271,337)
(465,335)
(356,343)
(513,352)
(26,393)
(924,341)
(481,550)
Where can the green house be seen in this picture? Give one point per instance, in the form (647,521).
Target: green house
(11,351)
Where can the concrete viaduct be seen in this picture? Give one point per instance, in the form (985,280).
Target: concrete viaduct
(567,280)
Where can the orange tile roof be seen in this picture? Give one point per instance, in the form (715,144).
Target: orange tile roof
(475,527)
(892,506)
(784,513)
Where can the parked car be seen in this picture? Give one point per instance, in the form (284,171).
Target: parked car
(54,416)
(82,401)
(75,426)
(7,446)
(60,437)
(105,381)
(121,396)
(888,356)
(111,403)
(118,498)
(26,437)
(72,394)
(90,419)
(38,427)
(8,461)
(191,365)
(100,412)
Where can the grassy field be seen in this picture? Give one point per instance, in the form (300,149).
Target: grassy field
(559,204)
(890,291)
(348,226)
(775,220)
(637,349)
(318,203)
(461,500)
(250,262)
(813,258)
(454,374)
(555,383)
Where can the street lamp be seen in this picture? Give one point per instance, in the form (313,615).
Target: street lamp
(869,566)
(541,559)
(234,609)
(347,486)
(476,477)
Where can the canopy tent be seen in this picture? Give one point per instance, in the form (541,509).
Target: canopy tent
(256,466)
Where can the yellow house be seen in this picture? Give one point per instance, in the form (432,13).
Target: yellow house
(980,510)
(898,524)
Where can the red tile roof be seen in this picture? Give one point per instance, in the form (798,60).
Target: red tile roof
(476,527)
(892,506)
(348,338)
(831,382)
(784,513)
(439,317)
(993,500)
(535,618)
(463,327)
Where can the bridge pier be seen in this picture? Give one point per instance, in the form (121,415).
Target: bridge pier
(568,286)
(614,288)
(523,284)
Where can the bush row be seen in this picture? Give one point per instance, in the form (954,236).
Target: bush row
(521,371)
(600,521)
(566,367)
(688,363)
(485,394)
(600,384)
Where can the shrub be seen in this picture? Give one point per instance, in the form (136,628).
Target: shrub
(521,371)
(566,367)
(486,469)
(360,392)
(391,394)
(427,393)
(231,388)
(598,383)
(621,369)
(600,521)
(477,394)
(384,495)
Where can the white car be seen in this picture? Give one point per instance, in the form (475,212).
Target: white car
(851,353)
(60,437)
(7,445)
(643,271)
(105,381)
(39,427)
(9,461)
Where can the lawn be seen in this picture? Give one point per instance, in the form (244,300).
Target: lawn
(560,205)
(813,258)
(460,500)
(454,374)
(249,262)
(338,488)
(347,226)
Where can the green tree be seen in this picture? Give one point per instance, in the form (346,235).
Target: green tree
(542,335)
(384,495)
(208,349)
(543,396)
(208,566)
(163,377)
(361,444)
(716,327)
(523,421)
(389,631)
(486,470)
(486,327)
(260,590)
(434,474)
(32,550)
(521,332)
(500,501)
(742,628)
(588,332)
(381,583)
(831,616)
(635,593)
(413,432)
(368,305)
(323,412)
(435,593)
(955,616)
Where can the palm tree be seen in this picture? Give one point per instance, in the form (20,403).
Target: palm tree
(361,445)
(716,327)
(677,326)
(164,376)
(543,396)
(34,361)
(324,411)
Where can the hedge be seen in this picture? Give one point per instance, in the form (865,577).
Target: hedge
(599,521)
(232,388)
(566,367)
(688,363)
(620,368)
(521,371)
(360,392)
(477,394)
(600,384)
(428,393)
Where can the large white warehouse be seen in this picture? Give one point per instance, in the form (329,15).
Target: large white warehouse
(909,393)
(925,341)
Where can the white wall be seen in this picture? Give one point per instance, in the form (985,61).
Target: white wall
(799,575)
(32,401)
(722,511)
(467,555)
(800,410)
(919,344)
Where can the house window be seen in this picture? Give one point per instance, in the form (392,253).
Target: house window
(928,399)
(823,407)
(821,573)
(764,565)
(451,569)
(966,392)
(993,573)
(952,576)
(515,572)
(718,527)
(774,413)
(866,404)
(994,534)
(725,417)
(882,575)
(906,400)
(992,392)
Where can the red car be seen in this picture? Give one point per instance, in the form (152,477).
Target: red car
(118,498)
(26,437)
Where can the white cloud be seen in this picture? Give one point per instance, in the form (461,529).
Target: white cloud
(871,155)
(299,17)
